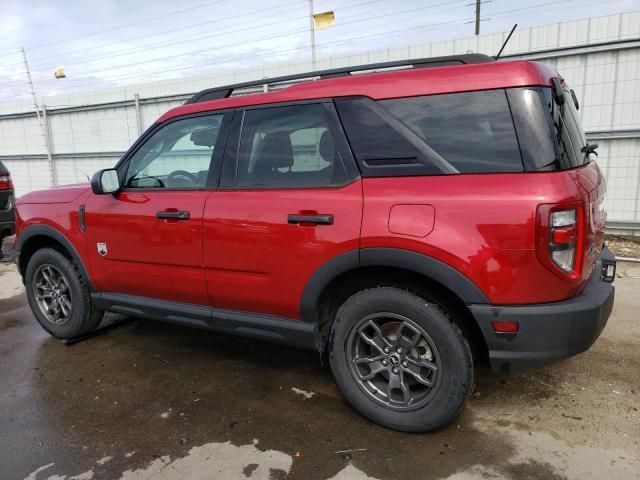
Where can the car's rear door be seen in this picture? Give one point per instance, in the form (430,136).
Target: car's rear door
(289,200)
(147,239)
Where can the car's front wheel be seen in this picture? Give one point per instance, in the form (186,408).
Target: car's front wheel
(399,360)
(58,295)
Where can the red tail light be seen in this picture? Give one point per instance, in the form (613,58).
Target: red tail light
(560,233)
(5,182)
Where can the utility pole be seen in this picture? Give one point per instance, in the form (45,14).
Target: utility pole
(478,17)
(45,137)
(312,31)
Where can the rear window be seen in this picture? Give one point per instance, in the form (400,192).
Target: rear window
(550,135)
(569,130)
(470,132)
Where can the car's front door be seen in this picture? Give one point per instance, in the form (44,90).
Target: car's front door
(289,200)
(147,239)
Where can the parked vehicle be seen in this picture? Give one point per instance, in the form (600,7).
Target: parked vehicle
(7,204)
(413,224)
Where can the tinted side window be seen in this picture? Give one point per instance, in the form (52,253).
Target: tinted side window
(438,134)
(290,146)
(530,107)
(384,146)
(473,131)
(177,156)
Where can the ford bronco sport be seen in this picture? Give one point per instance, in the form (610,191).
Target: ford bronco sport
(411,223)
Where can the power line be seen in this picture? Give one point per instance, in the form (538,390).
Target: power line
(217,20)
(276,52)
(391,33)
(191,52)
(281,34)
(191,26)
(120,26)
(191,38)
(288,50)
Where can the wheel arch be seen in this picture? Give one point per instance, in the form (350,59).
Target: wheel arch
(36,237)
(353,271)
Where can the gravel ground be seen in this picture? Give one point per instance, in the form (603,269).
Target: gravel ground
(156,401)
(624,246)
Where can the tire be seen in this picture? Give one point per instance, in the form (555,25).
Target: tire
(388,317)
(77,315)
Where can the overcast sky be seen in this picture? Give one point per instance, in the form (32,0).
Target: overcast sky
(113,42)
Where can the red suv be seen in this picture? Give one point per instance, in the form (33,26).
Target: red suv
(412,223)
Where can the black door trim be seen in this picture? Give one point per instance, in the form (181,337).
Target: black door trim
(254,325)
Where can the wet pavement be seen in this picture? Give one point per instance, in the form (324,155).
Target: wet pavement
(148,400)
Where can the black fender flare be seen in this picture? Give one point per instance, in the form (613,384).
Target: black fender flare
(429,267)
(51,232)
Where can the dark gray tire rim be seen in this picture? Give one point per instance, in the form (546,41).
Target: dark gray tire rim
(52,294)
(394,361)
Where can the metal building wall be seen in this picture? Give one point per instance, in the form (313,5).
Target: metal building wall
(599,57)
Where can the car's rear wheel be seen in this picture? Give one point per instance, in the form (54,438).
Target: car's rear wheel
(58,295)
(400,360)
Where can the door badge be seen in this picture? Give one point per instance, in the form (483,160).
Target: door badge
(102,249)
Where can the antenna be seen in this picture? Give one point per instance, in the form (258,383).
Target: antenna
(506,41)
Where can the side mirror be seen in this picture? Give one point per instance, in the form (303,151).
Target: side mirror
(105,181)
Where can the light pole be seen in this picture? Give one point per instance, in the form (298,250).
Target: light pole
(42,127)
(318,20)
(312,31)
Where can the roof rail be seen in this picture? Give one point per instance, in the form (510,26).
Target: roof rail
(226,91)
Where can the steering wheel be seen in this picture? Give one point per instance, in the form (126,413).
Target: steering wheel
(183,175)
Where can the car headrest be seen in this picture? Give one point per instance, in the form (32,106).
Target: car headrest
(275,151)
(327,147)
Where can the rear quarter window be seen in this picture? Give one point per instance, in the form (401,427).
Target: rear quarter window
(470,132)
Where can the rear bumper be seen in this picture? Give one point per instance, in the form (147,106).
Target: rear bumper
(548,332)
(7,228)
(7,218)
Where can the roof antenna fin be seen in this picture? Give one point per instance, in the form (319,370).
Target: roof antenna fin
(506,41)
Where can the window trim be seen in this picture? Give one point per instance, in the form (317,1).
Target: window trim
(122,166)
(229,170)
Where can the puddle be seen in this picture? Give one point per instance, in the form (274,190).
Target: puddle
(213,460)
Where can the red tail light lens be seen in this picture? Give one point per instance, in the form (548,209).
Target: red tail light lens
(5,182)
(559,237)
